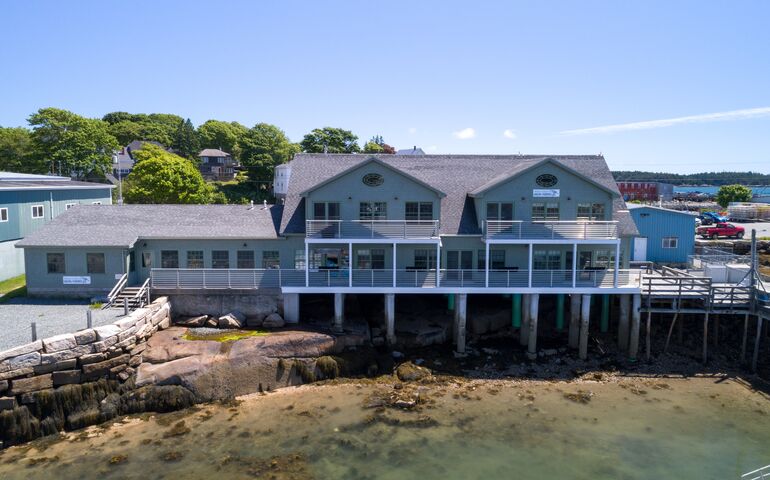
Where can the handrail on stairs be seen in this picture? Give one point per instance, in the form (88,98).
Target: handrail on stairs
(121,283)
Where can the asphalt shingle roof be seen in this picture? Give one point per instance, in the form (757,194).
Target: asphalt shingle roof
(213,152)
(122,226)
(456,175)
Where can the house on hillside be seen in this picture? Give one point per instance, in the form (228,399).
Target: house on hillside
(665,236)
(215,164)
(124,161)
(27,202)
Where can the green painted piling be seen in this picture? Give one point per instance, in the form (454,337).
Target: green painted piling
(450,302)
(560,312)
(605,326)
(516,310)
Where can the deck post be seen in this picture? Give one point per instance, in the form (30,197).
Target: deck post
(350,264)
(705,336)
(559,312)
(755,358)
(745,337)
(605,321)
(574,320)
(623,322)
(524,330)
(307,265)
(516,310)
(394,265)
(648,336)
(339,311)
(636,317)
(390,318)
(574,266)
(291,307)
(461,310)
(617,264)
(585,314)
(532,340)
(529,267)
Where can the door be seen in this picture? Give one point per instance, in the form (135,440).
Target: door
(459,264)
(640,249)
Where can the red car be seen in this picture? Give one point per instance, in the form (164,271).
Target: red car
(721,230)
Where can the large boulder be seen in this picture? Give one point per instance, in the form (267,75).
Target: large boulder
(211,322)
(197,321)
(273,321)
(231,320)
(409,372)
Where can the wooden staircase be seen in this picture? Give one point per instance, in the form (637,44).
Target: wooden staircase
(121,293)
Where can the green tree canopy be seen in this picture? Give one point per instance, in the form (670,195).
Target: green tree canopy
(17,152)
(162,177)
(73,145)
(377,145)
(265,146)
(185,140)
(222,135)
(127,127)
(733,193)
(373,147)
(336,140)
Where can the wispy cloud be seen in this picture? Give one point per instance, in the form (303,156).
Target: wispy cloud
(508,133)
(670,122)
(465,133)
(412,131)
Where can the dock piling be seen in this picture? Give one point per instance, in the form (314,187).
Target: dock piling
(574,320)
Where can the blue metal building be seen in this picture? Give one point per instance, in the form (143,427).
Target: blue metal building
(665,236)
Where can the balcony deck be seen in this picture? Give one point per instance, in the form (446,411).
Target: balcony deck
(372,229)
(515,230)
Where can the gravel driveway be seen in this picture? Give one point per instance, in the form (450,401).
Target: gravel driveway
(52,316)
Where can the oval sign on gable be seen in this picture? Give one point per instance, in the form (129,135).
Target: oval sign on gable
(546,180)
(373,179)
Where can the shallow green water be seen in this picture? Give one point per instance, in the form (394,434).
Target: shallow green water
(641,429)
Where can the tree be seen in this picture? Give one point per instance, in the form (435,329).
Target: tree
(185,141)
(372,147)
(159,127)
(222,135)
(162,177)
(334,140)
(265,146)
(733,193)
(377,145)
(17,152)
(73,145)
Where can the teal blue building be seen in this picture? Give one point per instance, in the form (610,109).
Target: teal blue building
(665,236)
(27,202)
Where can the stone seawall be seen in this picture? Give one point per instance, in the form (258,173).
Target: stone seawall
(256,306)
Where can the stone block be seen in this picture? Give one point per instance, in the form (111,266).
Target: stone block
(85,336)
(49,358)
(66,377)
(273,321)
(93,358)
(127,342)
(31,384)
(27,360)
(159,316)
(57,343)
(3,386)
(101,368)
(105,344)
(7,403)
(22,349)
(52,367)
(165,323)
(125,323)
(117,369)
(126,333)
(106,331)
(138,348)
(135,360)
(19,372)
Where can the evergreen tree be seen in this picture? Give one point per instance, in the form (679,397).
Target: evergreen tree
(186,142)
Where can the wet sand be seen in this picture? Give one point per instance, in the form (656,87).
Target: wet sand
(628,428)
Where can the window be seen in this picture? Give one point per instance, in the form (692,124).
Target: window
(418,211)
(499,211)
(55,262)
(326,211)
(169,259)
(373,211)
(299,259)
(371,259)
(220,259)
(95,262)
(670,242)
(69,205)
(3,214)
(546,260)
(424,259)
(131,262)
(146,259)
(590,211)
(496,260)
(545,211)
(271,259)
(195,259)
(37,211)
(245,259)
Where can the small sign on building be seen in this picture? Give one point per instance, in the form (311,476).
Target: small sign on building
(76,280)
(545,193)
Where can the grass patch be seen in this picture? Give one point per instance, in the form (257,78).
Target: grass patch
(225,335)
(96,305)
(13,287)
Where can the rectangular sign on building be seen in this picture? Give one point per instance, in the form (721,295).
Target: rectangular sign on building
(76,280)
(545,193)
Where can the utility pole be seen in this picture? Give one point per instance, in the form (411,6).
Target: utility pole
(115,161)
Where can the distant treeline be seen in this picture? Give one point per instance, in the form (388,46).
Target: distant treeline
(707,178)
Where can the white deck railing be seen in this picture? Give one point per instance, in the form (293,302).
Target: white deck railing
(385,229)
(550,230)
(251,279)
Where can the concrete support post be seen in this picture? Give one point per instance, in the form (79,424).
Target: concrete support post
(291,307)
(390,318)
(339,311)
(461,310)
(574,265)
(623,322)
(585,314)
(605,320)
(574,320)
(394,265)
(532,340)
(636,324)
(524,330)
(559,312)
(516,310)
(529,267)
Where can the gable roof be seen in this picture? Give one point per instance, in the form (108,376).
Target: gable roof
(121,226)
(457,175)
(213,152)
(636,206)
(376,160)
(11,181)
(522,168)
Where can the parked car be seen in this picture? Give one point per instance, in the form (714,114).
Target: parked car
(707,218)
(721,230)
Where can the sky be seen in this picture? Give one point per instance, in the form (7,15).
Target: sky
(679,86)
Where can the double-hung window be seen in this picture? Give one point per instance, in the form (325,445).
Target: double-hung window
(373,211)
(95,262)
(195,259)
(424,259)
(220,259)
(55,262)
(500,211)
(670,242)
(373,259)
(546,260)
(169,259)
(545,211)
(496,259)
(418,211)
(245,259)
(37,211)
(271,259)
(326,211)
(3,214)
(590,211)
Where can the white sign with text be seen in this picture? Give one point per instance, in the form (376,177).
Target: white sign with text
(545,193)
(76,280)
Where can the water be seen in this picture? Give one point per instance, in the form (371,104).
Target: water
(711,190)
(704,428)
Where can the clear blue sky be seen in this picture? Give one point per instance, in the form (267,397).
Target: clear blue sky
(417,72)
